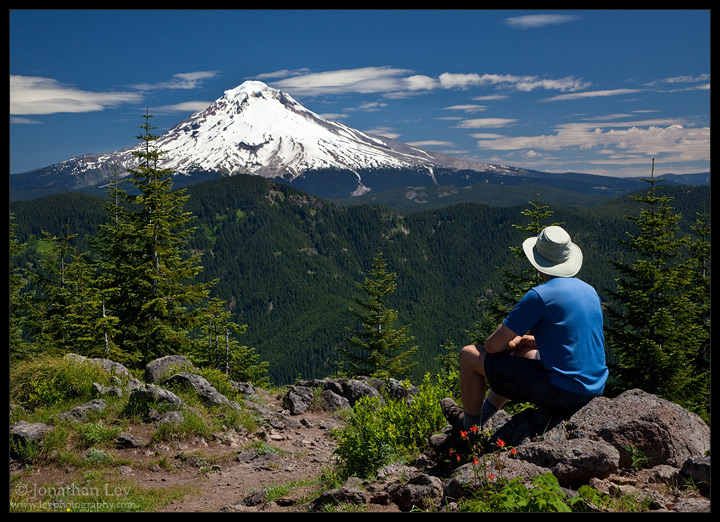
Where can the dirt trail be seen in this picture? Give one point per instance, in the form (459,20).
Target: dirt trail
(222,473)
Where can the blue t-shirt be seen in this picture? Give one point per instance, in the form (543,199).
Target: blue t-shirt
(565,316)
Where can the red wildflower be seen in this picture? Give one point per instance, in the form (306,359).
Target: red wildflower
(474,428)
(463,434)
(501,443)
(513,451)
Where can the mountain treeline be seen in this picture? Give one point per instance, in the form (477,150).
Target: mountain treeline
(286,264)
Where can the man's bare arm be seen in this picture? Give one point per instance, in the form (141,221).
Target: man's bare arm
(500,339)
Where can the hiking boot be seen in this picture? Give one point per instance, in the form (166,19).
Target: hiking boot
(453,413)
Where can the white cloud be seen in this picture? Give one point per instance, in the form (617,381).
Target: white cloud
(486,123)
(666,138)
(363,80)
(188,106)
(592,94)
(469,108)
(179,81)
(533,21)
(432,143)
(37,95)
(419,82)
(14,120)
(394,82)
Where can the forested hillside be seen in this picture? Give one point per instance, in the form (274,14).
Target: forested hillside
(288,262)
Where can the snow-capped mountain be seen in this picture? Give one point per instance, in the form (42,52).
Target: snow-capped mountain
(255,129)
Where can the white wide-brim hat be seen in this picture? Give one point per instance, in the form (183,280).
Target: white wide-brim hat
(552,252)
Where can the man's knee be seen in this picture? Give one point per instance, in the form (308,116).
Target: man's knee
(472,356)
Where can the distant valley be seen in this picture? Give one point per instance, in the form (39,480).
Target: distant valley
(289,261)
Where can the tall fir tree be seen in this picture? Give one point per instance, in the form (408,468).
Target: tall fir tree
(518,275)
(657,333)
(144,255)
(378,348)
(19,303)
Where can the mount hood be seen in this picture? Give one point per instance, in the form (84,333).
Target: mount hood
(255,129)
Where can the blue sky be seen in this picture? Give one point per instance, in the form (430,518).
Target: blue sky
(600,92)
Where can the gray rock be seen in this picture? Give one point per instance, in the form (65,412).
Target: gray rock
(164,367)
(100,390)
(207,391)
(128,440)
(697,469)
(331,401)
(80,413)
(110,366)
(298,399)
(342,495)
(142,399)
(421,491)
(24,431)
(573,461)
(663,431)
(171,417)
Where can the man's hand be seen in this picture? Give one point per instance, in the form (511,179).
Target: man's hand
(522,341)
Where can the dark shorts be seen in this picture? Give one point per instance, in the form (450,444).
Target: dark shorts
(526,380)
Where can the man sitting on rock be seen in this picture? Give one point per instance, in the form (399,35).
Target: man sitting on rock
(561,365)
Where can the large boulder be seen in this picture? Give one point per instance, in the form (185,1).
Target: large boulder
(110,366)
(601,439)
(165,367)
(204,389)
(664,432)
(142,399)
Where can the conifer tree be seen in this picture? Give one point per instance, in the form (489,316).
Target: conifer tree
(144,254)
(66,306)
(516,281)
(18,303)
(657,332)
(377,345)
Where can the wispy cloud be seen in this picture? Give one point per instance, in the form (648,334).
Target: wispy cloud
(540,20)
(486,123)
(591,94)
(188,106)
(469,108)
(393,81)
(186,81)
(37,95)
(362,80)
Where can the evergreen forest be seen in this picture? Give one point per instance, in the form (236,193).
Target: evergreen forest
(284,266)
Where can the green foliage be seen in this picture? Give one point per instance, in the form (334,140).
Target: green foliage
(517,277)
(379,347)
(150,272)
(383,430)
(659,329)
(96,433)
(49,380)
(544,495)
(287,263)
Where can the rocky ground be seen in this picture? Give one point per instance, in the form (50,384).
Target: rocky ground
(276,467)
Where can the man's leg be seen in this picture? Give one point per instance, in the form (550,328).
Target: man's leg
(473,384)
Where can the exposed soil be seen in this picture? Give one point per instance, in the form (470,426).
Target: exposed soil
(220,474)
